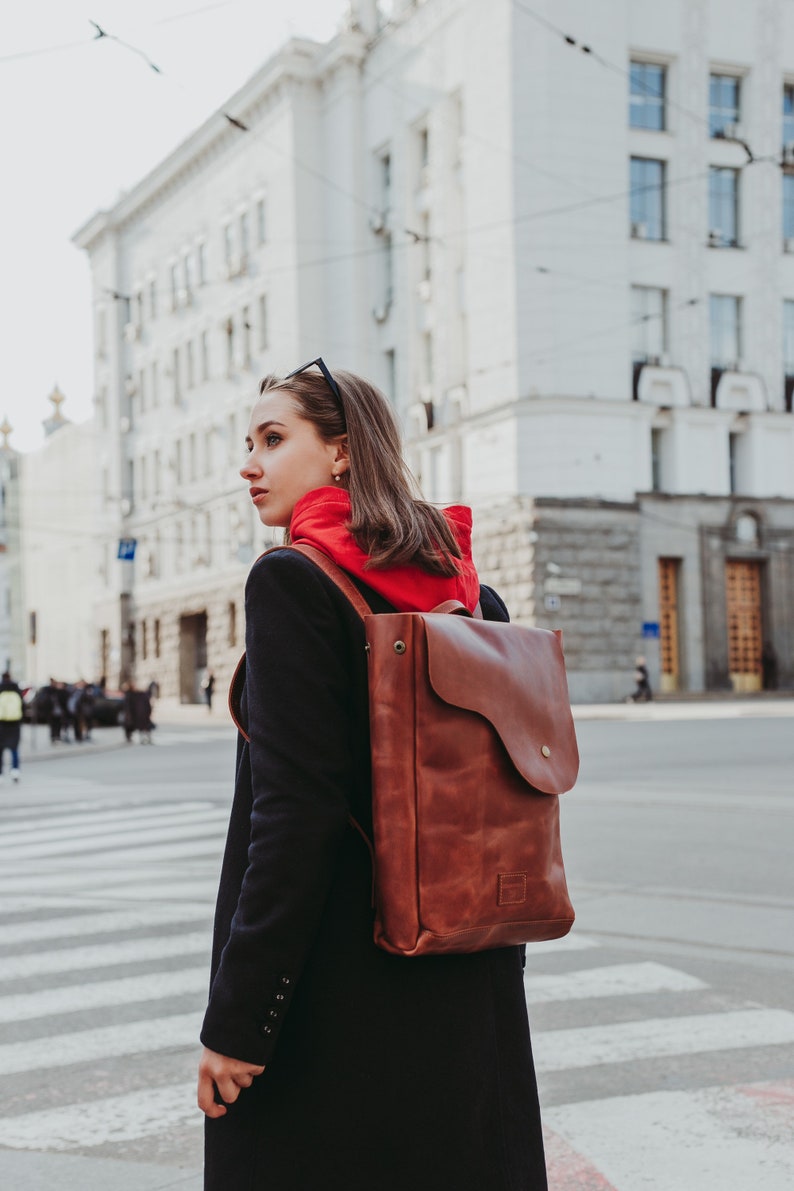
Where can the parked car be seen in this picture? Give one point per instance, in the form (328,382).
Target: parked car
(108,709)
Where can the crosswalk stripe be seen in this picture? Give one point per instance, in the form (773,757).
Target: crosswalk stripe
(152,833)
(76,815)
(565,1050)
(96,924)
(99,1122)
(102,875)
(616,980)
(711,1139)
(105,1042)
(51,839)
(572,942)
(104,955)
(102,994)
(169,851)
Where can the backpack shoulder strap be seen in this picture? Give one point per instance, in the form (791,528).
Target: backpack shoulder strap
(334,573)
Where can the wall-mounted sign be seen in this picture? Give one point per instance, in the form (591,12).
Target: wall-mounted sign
(650,628)
(127,549)
(560,585)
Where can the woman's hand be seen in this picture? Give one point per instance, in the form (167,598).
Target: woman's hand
(225,1074)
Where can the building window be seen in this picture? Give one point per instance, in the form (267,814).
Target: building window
(201,263)
(154,385)
(723,207)
(205,355)
(733,451)
(788,212)
(788,354)
(156,472)
(263,328)
(176,377)
(178,468)
(144,640)
(173,274)
(232,623)
(228,328)
(646,96)
(647,199)
(788,115)
(648,324)
(228,244)
(152,300)
(723,104)
(725,319)
(245,328)
(423,138)
(156,636)
(245,235)
(190,367)
(384,180)
(261,221)
(657,446)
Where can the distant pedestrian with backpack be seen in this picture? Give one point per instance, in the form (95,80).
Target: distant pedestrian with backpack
(10,723)
(329,1062)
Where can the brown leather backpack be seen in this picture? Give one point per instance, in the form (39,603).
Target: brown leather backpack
(472,744)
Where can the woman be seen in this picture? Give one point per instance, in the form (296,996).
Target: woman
(327,1063)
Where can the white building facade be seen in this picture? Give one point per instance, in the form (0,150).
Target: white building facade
(562,244)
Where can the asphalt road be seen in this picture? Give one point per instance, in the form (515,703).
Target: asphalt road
(663,1027)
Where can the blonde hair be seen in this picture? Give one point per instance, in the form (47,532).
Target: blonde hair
(389,520)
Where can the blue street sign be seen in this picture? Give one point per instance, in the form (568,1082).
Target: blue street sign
(650,628)
(127,549)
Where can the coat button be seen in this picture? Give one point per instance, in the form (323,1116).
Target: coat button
(279,996)
(285,980)
(272,1012)
(267,1029)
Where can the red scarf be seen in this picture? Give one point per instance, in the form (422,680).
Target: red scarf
(320,518)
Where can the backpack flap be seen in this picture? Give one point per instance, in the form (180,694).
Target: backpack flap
(515,678)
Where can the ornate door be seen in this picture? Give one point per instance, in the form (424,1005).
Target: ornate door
(668,623)
(743,579)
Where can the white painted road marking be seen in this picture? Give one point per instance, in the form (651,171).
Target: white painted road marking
(711,1139)
(566,1050)
(86,827)
(97,924)
(106,1042)
(613,981)
(99,1122)
(104,955)
(102,994)
(153,833)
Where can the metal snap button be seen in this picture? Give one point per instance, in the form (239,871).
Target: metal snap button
(400,647)
(546,750)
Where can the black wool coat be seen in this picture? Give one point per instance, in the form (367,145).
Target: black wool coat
(383,1073)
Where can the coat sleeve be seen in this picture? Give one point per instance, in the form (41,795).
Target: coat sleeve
(299,721)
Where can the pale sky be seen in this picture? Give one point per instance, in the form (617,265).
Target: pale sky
(82,124)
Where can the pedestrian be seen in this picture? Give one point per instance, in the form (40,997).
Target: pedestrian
(327,1062)
(642,692)
(50,708)
(209,687)
(10,722)
(137,715)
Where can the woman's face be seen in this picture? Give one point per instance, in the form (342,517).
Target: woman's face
(287,458)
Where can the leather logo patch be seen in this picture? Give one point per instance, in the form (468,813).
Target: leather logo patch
(512,889)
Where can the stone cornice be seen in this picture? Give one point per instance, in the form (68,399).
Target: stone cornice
(296,61)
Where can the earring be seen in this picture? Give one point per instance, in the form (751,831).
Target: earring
(337,477)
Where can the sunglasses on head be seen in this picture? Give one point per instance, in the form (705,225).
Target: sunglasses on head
(320,363)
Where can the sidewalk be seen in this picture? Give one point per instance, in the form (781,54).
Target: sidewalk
(35,744)
(693,707)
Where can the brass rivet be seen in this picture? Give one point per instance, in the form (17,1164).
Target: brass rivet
(400,647)
(546,750)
